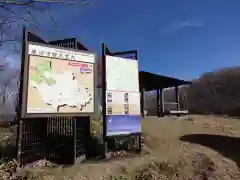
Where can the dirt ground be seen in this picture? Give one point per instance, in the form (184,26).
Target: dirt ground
(192,147)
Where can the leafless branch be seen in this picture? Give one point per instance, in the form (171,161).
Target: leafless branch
(27,16)
(25,3)
(43,10)
(64,1)
(33,24)
(31,15)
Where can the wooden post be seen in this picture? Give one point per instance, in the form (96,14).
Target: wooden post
(177,97)
(158,104)
(161,102)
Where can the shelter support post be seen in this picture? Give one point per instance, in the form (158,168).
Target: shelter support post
(158,104)
(142,102)
(161,102)
(177,97)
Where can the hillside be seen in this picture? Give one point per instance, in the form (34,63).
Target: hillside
(216,92)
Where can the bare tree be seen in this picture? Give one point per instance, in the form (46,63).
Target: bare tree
(24,12)
(14,14)
(8,96)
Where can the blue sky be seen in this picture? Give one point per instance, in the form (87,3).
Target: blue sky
(178,38)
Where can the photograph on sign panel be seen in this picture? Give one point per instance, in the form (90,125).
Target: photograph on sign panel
(122,74)
(123,113)
(123,124)
(59,86)
(123,102)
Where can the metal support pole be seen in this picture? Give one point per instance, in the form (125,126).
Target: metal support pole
(74,121)
(104,87)
(142,102)
(20,120)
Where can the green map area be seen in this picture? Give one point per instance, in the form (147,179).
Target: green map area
(42,67)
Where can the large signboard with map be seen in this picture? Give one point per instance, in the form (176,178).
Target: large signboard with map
(122,96)
(57,82)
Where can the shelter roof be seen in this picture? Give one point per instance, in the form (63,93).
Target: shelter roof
(150,81)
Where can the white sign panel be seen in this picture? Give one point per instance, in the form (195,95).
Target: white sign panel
(122,74)
(60,53)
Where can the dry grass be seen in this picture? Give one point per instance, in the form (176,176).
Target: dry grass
(182,148)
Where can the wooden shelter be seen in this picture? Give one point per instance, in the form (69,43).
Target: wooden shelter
(150,81)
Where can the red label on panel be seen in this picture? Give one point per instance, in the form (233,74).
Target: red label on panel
(81,65)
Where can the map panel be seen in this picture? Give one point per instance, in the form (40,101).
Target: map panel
(122,74)
(60,85)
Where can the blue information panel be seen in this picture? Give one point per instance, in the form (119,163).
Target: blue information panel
(122,96)
(123,124)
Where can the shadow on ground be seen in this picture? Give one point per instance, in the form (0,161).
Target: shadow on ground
(225,145)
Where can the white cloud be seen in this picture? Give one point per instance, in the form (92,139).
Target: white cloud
(179,25)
